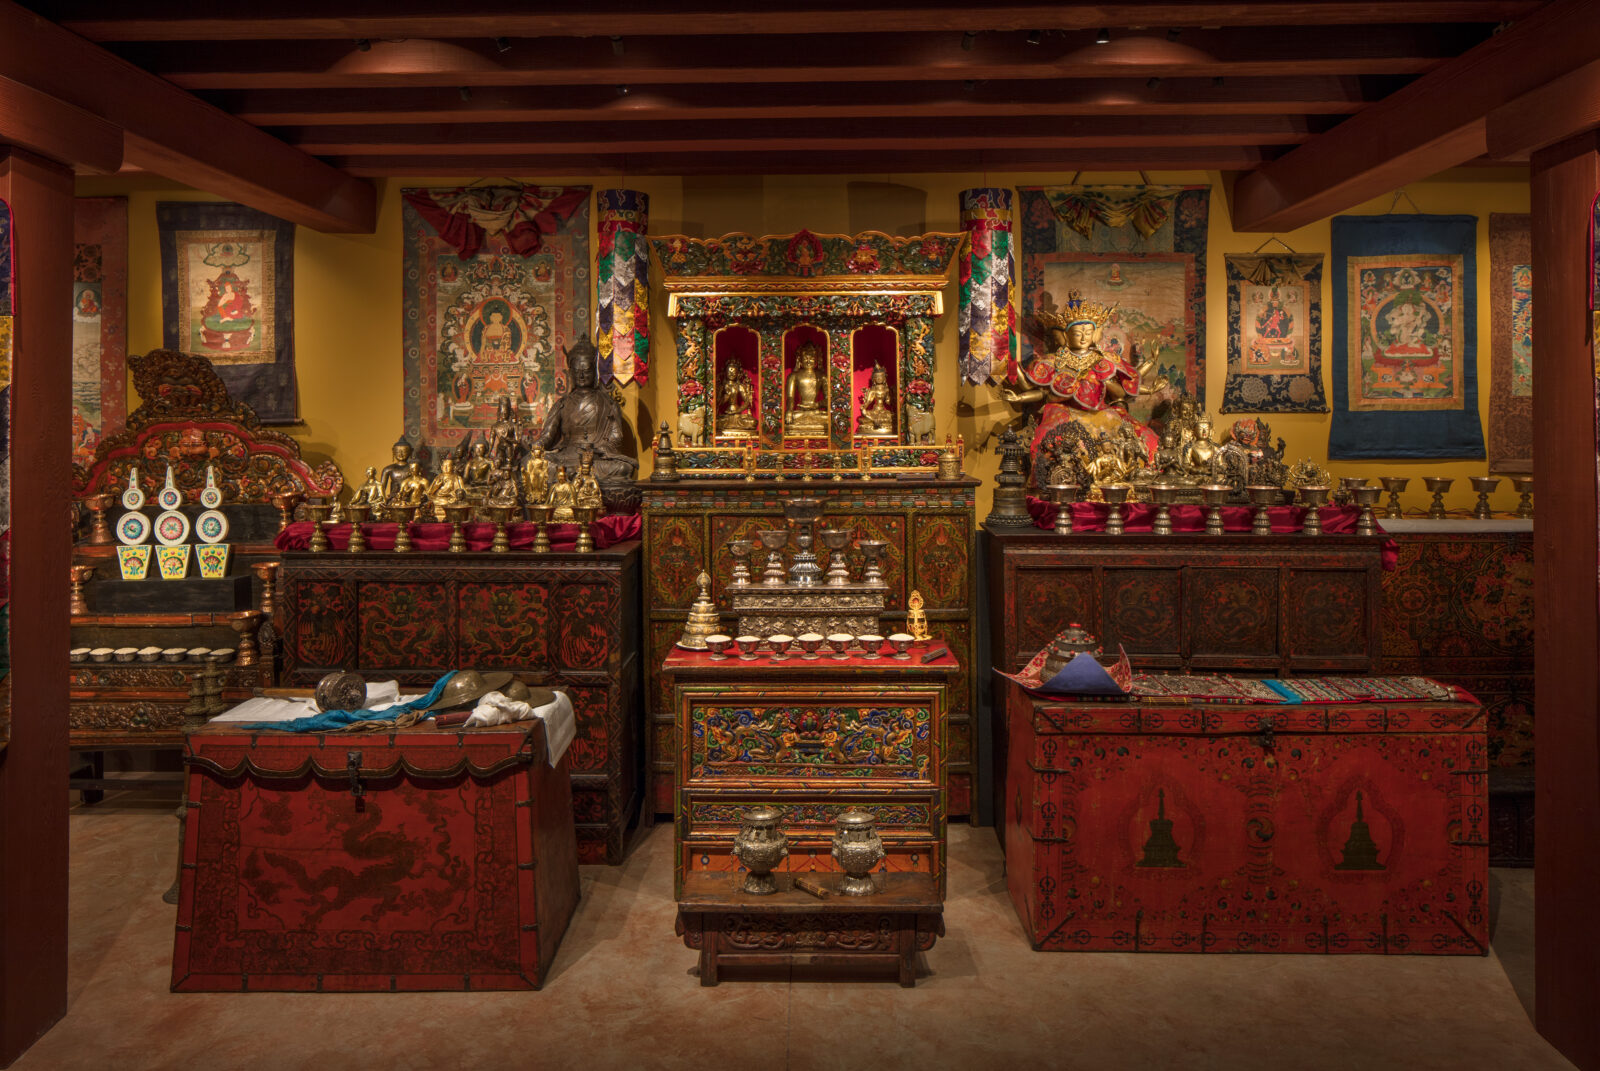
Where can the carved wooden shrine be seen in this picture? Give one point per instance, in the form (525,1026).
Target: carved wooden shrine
(565,620)
(1309,828)
(399,860)
(813,738)
(927,523)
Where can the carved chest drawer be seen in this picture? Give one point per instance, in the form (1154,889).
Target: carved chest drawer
(1309,828)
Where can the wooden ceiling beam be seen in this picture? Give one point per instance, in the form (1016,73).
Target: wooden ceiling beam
(781,162)
(877,58)
(57,130)
(908,100)
(1436,122)
(177,135)
(110,20)
(1553,112)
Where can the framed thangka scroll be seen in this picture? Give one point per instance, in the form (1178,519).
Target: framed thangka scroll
(495,288)
(1510,343)
(1274,334)
(99,321)
(1140,248)
(1405,337)
(227,294)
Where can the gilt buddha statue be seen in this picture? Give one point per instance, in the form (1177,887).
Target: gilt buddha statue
(877,405)
(478,469)
(411,491)
(447,488)
(736,400)
(588,418)
(806,396)
(563,496)
(370,493)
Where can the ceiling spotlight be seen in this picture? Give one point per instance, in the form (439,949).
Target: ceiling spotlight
(616,46)
(1152,82)
(502,44)
(466,94)
(968,39)
(622,91)
(1103,37)
(363,45)
(1035,36)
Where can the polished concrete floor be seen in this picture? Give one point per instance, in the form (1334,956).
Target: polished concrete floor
(624,993)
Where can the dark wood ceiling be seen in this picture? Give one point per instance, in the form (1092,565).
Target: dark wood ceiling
(480,88)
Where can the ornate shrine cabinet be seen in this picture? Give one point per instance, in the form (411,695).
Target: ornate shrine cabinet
(564,620)
(927,523)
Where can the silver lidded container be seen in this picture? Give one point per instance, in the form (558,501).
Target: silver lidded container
(858,849)
(760,845)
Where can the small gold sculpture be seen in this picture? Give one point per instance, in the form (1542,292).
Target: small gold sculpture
(535,476)
(478,470)
(446,489)
(392,476)
(877,405)
(806,396)
(917,619)
(586,489)
(703,617)
(412,490)
(370,493)
(738,396)
(563,497)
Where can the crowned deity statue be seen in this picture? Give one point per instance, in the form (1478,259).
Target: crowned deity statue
(587,418)
(563,496)
(805,395)
(877,405)
(389,480)
(737,400)
(1076,379)
(447,488)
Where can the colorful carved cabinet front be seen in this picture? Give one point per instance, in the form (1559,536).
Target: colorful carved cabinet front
(928,526)
(1304,829)
(568,621)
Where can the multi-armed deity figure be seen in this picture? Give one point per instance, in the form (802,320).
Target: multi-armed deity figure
(1077,380)
(805,395)
(587,418)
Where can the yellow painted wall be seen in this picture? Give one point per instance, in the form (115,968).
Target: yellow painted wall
(348,317)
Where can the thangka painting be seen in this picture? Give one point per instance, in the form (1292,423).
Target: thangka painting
(5,469)
(1274,334)
(227,294)
(1140,248)
(99,321)
(1405,343)
(1510,344)
(495,289)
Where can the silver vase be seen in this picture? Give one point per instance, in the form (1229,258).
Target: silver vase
(857,849)
(760,845)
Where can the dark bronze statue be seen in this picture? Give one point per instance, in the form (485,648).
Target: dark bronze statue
(588,419)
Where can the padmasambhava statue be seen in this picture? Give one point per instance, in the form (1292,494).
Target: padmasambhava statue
(1077,380)
(587,418)
(806,410)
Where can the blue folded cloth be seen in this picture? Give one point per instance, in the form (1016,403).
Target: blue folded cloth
(335,719)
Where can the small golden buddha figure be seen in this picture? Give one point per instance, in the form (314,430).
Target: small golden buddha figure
(877,405)
(411,491)
(563,496)
(478,469)
(586,489)
(1201,453)
(806,396)
(738,397)
(1107,466)
(369,493)
(447,488)
(535,476)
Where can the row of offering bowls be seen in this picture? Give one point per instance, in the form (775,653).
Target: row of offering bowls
(150,654)
(840,644)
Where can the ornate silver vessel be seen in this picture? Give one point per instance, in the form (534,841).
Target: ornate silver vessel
(858,849)
(760,845)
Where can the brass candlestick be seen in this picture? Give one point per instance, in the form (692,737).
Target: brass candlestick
(1315,498)
(1262,496)
(320,512)
(1064,495)
(1215,496)
(457,515)
(402,536)
(1366,498)
(287,504)
(100,533)
(1523,485)
(1438,485)
(267,574)
(81,575)
(1484,485)
(358,537)
(585,515)
(540,515)
(1115,494)
(246,625)
(502,540)
(1394,485)
(1163,494)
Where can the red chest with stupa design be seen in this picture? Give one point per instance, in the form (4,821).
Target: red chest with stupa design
(1306,828)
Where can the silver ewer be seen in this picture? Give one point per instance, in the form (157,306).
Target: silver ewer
(760,845)
(857,849)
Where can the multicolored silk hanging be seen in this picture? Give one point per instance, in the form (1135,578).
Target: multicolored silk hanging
(987,318)
(622,287)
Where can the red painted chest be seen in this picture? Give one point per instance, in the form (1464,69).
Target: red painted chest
(1269,828)
(414,859)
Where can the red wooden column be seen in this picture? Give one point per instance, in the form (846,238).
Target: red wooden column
(33,768)
(1567,616)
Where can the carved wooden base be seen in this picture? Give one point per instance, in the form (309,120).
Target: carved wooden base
(790,927)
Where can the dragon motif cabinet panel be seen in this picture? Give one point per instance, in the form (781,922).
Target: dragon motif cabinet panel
(1259,828)
(927,524)
(565,620)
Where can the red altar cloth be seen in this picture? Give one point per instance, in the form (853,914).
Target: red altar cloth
(1140,517)
(435,535)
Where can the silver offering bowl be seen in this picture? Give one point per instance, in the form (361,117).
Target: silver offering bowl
(810,643)
(774,540)
(718,645)
(901,642)
(1163,495)
(1263,496)
(839,643)
(871,644)
(741,549)
(1115,494)
(1485,486)
(1366,498)
(1523,485)
(748,646)
(872,550)
(837,540)
(1314,498)
(1215,496)
(1394,485)
(358,537)
(858,849)
(760,846)
(780,645)
(1438,485)
(1063,495)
